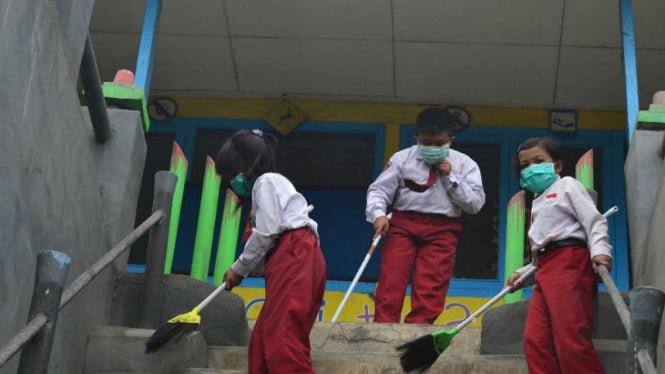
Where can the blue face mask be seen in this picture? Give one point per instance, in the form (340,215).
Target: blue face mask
(432,155)
(241,186)
(538,177)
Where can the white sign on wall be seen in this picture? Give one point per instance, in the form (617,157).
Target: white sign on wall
(563,121)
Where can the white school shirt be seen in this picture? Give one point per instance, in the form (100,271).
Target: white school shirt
(461,191)
(276,207)
(565,210)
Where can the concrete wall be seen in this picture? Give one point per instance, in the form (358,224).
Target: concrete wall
(645,194)
(49,183)
(643,170)
(119,165)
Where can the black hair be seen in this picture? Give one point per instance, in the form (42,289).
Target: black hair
(435,120)
(550,146)
(249,152)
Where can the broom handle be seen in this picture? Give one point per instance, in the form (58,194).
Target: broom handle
(214,294)
(493,300)
(522,277)
(371,250)
(219,289)
(615,295)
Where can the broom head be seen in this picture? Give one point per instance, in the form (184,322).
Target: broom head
(174,328)
(420,354)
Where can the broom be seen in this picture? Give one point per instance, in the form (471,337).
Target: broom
(185,323)
(420,354)
(180,325)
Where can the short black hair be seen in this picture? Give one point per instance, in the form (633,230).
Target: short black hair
(550,145)
(249,152)
(434,120)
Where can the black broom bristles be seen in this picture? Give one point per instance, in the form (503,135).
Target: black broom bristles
(167,332)
(418,355)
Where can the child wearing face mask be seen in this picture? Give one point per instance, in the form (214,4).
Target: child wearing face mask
(285,239)
(568,238)
(429,185)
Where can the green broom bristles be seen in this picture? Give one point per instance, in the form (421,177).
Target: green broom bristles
(418,355)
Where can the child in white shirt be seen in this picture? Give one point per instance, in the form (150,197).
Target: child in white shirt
(286,240)
(568,238)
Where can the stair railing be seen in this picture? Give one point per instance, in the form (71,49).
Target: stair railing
(94,97)
(48,298)
(641,322)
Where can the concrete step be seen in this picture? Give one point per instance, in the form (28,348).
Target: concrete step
(332,362)
(383,337)
(112,349)
(612,354)
(342,348)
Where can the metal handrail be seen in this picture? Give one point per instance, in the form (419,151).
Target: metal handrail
(643,357)
(35,325)
(646,364)
(615,295)
(75,287)
(164,187)
(21,338)
(94,96)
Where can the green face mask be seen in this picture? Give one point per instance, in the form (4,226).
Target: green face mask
(538,177)
(241,186)
(432,155)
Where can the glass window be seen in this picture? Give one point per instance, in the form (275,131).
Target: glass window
(328,160)
(308,159)
(478,248)
(208,142)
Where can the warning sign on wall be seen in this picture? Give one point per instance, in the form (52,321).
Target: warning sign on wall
(285,117)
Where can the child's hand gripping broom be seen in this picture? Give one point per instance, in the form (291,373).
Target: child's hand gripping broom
(181,324)
(419,354)
(363,265)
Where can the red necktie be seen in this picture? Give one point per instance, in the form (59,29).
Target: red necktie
(248,230)
(413,186)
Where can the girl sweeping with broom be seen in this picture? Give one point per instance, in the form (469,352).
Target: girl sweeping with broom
(569,239)
(286,240)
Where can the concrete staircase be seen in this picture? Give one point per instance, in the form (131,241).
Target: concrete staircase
(370,348)
(339,348)
(372,362)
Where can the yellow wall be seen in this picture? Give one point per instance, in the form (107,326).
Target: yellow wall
(391,114)
(360,307)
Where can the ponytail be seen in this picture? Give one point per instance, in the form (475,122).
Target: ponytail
(249,152)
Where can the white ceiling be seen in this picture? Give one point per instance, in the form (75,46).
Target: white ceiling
(536,53)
